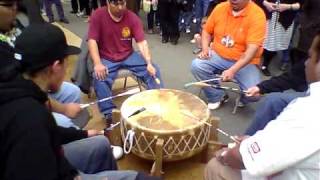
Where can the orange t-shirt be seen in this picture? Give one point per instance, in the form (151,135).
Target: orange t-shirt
(249,27)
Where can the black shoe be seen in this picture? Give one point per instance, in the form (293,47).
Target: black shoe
(73,12)
(265,71)
(284,67)
(64,20)
(174,42)
(51,20)
(164,40)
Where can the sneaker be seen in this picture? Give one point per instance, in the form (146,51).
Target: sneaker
(241,104)
(80,14)
(284,66)
(117,152)
(193,41)
(196,51)
(216,105)
(43,12)
(194,20)
(188,31)
(150,31)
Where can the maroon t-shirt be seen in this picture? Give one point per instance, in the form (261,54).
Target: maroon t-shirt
(114,39)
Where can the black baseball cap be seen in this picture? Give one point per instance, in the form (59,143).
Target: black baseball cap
(42,44)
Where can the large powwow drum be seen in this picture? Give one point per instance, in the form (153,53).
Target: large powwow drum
(179,119)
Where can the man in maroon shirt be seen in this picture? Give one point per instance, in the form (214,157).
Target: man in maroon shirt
(111,31)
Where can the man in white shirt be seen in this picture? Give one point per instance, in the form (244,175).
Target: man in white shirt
(287,148)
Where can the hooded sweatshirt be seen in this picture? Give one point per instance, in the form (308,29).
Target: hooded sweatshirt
(30,140)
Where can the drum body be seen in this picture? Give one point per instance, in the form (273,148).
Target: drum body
(180,119)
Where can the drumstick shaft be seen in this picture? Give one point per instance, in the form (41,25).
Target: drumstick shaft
(195,118)
(228,135)
(204,81)
(229,89)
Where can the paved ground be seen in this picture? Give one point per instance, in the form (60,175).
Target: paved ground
(174,62)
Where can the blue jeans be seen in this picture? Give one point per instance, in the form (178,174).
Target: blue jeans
(186,17)
(270,108)
(134,63)
(68,93)
(201,7)
(246,77)
(110,175)
(59,7)
(90,155)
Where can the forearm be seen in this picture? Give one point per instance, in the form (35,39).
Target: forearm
(94,51)
(245,59)
(55,106)
(71,134)
(293,6)
(205,40)
(144,49)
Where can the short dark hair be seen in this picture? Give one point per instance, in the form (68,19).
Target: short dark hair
(114,1)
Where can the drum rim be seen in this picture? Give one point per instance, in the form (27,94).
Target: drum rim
(165,132)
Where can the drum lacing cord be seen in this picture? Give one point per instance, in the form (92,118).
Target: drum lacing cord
(129,139)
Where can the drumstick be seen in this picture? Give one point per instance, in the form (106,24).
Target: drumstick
(129,92)
(236,90)
(157,80)
(112,126)
(204,81)
(228,135)
(195,118)
(137,112)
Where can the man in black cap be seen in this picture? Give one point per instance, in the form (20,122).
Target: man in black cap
(31,142)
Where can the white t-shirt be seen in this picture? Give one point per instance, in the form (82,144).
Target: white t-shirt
(288,147)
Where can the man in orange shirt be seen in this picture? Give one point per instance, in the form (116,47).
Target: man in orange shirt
(237,28)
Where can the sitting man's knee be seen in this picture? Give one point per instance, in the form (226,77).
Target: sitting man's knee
(211,169)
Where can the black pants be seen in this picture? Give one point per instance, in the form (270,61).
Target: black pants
(84,6)
(74,5)
(152,17)
(267,57)
(94,3)
(169,19)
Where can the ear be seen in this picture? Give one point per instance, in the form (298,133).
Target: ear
(56,66)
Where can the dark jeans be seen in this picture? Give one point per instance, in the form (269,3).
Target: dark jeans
(169,19)
(90,155)
(271,107)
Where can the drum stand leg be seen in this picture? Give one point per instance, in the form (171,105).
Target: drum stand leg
(156,169)
(213,144)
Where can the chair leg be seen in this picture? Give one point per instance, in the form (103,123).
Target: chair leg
(236,105)
(139,83)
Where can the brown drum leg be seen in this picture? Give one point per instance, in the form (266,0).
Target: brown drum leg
(156,169)
(213,144)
